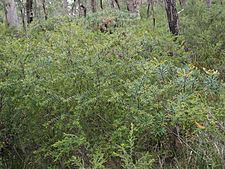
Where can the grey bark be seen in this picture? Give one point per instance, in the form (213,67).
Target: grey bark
(93,6)
(209,3)
(153,12)
(130,5)
(79,7)
(74,7)
(45,9)
(65,7)
(133,6)
(29,11)
(148,10)
(183,3)
(151,7)
(113,2)
(117,3)
(82,9)
(11,13)
(172,16)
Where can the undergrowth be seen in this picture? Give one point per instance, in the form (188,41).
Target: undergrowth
(133,98)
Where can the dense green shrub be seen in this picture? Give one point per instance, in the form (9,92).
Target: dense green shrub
(73,97)
(203,29)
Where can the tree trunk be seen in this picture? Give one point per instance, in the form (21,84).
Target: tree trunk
(151,6)
(29,10)
(93,6)
(133,6)
(130,5)
(22,10)
(45,9)
(112,3)
(153,12)
(184,3)
(74,7)
(65,7)
(11,13)
(79,7)
(209,3)
(23,20)
(148,10)
(82,9)
(35,8)
(101,5)
(172,16)
(181,3)
(117,3)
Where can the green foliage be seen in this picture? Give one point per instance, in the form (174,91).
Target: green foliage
(203,29)
(72,97)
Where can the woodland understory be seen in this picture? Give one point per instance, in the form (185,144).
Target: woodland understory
(112,84)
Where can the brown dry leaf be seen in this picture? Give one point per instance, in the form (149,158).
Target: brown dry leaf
(199,125)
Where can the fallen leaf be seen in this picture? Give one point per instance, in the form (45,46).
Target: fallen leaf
(199,125)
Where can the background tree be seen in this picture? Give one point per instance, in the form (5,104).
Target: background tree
(183,3)
(133,6)
(93,6)
(65,7)
(130,5)
(11,13)
(101,4)
(151,5)
(172,16)
(209,3)
(29,11)
(44,9)
(113,2)
(148,9)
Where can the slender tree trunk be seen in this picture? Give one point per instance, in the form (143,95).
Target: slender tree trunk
(65,7)
(153,12)
(148,10)
(45,9)
(22,10)
(23,20)
(130,5)
(82,9)
(29,11)
(133,6)
(101,4)
(117,3)
(209,3)
(151,6)
(182,3)
(73,7)
(93,6)
(35,8)
(79,7)
(112,3)
(11,13)
(172,16)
